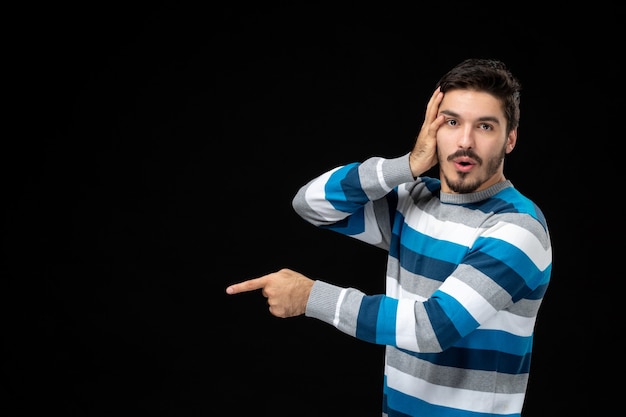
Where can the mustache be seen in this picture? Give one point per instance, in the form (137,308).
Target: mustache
(465,153)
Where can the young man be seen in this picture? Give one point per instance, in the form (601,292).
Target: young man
(469,256)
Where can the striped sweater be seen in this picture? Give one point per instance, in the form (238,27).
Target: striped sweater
(466,275)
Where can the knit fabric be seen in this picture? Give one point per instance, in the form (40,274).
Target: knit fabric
(466,275)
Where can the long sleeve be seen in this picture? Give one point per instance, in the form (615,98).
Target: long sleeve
(357,200)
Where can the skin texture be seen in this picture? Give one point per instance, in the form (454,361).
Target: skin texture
(464,131)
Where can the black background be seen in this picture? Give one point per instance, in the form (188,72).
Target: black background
(154,153)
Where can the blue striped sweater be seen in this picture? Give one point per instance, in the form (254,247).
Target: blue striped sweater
(466,275)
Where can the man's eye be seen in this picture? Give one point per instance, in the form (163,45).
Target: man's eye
(485,126)
(451,122)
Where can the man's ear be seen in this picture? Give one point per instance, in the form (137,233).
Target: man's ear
(511,141)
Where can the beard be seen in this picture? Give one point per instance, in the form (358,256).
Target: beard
(463,185)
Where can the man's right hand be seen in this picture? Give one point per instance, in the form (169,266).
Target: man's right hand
(424,153)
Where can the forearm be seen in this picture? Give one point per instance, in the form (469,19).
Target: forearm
(340,192)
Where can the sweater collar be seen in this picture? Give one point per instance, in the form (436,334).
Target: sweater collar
(474,197)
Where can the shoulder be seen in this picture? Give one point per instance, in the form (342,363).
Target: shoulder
(510,201)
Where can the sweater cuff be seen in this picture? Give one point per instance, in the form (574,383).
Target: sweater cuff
(398,170)
(322,301)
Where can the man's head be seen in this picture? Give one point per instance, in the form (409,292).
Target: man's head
(481,110)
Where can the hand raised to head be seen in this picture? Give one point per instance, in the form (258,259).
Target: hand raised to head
(424,153)
(287,291)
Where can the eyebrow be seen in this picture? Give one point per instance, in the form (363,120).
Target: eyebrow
(480,119)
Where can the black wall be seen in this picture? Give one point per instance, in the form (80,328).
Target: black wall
(154,154)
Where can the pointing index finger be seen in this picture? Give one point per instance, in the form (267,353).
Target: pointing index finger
(245,286)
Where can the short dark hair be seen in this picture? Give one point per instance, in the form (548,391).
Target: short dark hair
(491,76)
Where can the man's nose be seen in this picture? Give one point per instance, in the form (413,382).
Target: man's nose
(466,138)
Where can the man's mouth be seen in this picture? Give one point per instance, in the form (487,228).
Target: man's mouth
(464,164)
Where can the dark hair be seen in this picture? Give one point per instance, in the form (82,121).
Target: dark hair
(490,76)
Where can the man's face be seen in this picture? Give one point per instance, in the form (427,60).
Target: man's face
(472,141)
